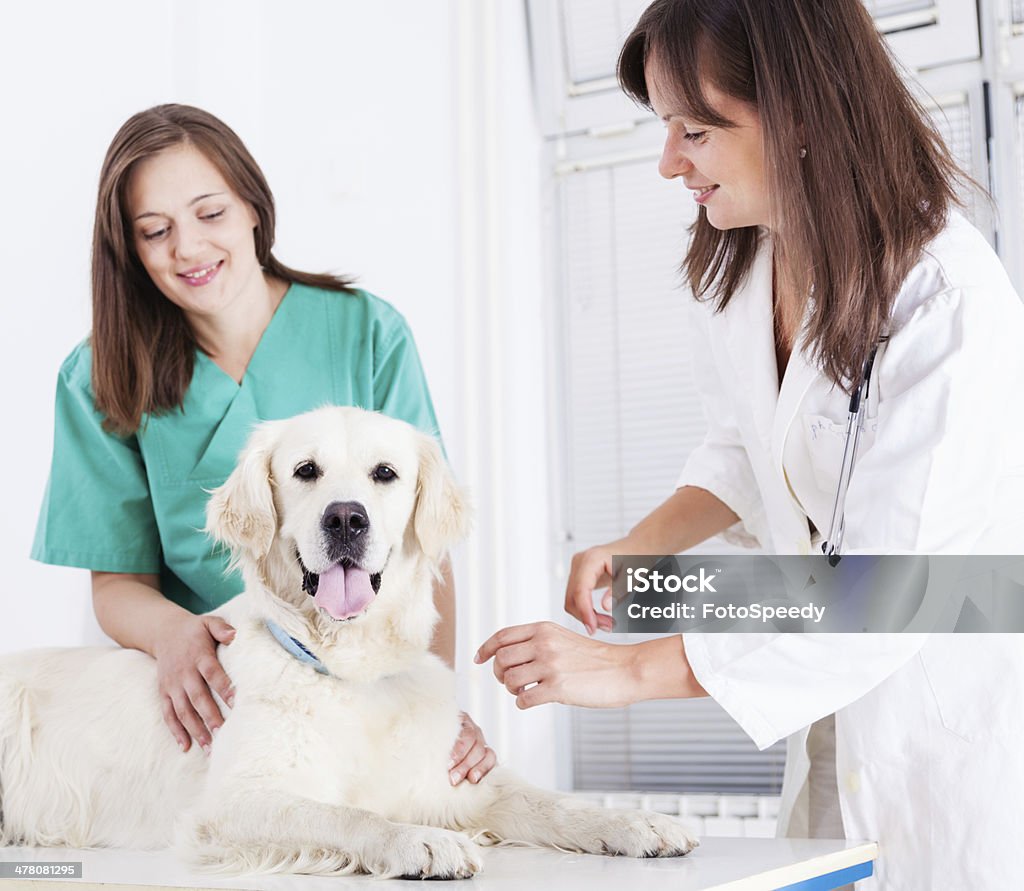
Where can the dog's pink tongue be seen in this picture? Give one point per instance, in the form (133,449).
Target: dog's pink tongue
(344,592)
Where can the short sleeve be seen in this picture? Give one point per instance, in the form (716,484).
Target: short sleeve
(97,512)
(399,384)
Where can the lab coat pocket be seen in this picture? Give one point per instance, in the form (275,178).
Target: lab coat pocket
(964,676)
(826,440)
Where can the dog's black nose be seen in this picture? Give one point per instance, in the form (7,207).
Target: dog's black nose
(345,520)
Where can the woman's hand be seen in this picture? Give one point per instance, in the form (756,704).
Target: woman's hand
(472,758)
(187,670)
(686,518)
(131,609)
(544,662)
(591,570)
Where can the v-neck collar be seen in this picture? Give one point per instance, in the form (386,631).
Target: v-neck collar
(266,339)
(224,407)
(750,337)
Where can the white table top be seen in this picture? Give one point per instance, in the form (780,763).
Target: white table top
(719,864)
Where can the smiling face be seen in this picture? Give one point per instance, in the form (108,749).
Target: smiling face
(724,167)
(192,233)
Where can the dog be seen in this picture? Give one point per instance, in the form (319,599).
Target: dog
(334,758)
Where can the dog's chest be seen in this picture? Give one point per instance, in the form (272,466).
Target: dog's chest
(401,720)
(410,728)
(382,745)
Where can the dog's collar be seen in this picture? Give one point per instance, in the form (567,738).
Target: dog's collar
(296,648)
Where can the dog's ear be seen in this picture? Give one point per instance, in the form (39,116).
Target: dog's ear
(441,517)
(241,513)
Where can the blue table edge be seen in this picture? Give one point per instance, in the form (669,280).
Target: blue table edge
(833,880)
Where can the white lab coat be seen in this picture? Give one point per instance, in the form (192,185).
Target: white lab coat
(929,738)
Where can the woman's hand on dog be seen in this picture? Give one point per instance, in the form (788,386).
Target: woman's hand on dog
(472,758)
(187,670)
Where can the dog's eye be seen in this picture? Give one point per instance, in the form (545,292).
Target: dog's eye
(383,474)
(307,471)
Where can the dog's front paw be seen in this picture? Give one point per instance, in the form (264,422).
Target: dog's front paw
(640,834)
(422,852)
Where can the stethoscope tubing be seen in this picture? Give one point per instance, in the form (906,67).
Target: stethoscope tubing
(832,545)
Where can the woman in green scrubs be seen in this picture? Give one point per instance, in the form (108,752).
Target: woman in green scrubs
(199,333)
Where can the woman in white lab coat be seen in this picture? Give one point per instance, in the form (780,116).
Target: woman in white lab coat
(827,220)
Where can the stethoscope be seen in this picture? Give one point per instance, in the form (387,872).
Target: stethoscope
(831,546)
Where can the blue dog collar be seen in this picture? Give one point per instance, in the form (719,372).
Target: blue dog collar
(294,647)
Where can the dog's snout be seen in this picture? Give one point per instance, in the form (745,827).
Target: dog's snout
(345,520)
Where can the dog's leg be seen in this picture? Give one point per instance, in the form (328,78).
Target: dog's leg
(270,831)
(524,813)
(15,759)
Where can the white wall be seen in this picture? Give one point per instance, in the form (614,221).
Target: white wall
(389,158)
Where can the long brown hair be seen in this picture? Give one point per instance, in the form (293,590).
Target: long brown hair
(874,185)
(143,350)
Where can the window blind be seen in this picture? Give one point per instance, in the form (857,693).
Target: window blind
(633,417)
(1017,12)
(952,117)
(633,414)
(882,9)
(594,30)
(671,746)
(593,35)
(576,44)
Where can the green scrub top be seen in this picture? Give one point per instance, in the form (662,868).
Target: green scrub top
(137,503)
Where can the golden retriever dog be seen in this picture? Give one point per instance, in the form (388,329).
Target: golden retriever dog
(334,758)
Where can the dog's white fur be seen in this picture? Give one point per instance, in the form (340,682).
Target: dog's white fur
(314,773)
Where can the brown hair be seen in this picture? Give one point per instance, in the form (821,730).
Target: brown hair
(143,350)
(851,217)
